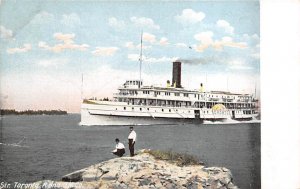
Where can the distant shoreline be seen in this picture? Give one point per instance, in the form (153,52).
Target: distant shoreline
(32,112)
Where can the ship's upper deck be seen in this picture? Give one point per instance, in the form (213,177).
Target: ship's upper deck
(130,89)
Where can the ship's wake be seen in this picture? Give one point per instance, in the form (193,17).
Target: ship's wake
(231,121)
(18,144)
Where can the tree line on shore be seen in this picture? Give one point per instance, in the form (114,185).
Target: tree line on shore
(32,112)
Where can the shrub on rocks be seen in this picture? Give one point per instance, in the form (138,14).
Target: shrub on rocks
(180,159)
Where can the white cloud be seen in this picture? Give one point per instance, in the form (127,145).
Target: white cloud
(254,44)
(26,47)
(246,36)
(116,24)
(227,41)
(43,17)
(105,51)
(136,57)
(129,45)
(189,16)
(148,37)
(236,62)
(70,19)
(68,43)
(256,55)
(255,36)
(239,65)
(44,45)
(226,26)
(144,23)
(206,41)
(52,62)
(161,59)
(5,33)
(204,37)
(163,41)
(138,46)
(66,38)
(250,37)
(181,45)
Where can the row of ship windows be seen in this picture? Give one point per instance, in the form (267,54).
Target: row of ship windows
(155,110)
(134,82)
(248,111)
(176,94)
(244,111)
(184,94)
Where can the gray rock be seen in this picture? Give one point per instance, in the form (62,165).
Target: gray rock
(170,186)
(140,177)
(225,180)
(144,171)
(73,177)
(192,185)
(108,178)
(145,181)
(219,185)
(231,186)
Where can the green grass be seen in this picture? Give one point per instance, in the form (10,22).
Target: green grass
(180,159)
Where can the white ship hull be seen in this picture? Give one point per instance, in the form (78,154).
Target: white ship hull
(91,120)
(120,113)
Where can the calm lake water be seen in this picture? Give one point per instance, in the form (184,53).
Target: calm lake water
(52,146)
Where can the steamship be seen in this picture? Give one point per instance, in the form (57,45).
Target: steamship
(137,104)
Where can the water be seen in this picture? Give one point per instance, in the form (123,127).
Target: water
(48,147)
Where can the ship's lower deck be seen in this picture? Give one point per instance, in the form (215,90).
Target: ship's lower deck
(112,113)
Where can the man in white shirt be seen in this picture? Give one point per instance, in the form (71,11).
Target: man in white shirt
(131,141)
(120,148)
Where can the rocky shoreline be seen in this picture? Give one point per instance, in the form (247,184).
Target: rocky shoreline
(143,171)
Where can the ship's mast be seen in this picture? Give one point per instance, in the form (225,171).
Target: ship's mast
(141,59)
(227,84)
(81,87)
(1,140)
(255,91)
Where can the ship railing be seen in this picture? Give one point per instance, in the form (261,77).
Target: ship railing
(124,94)
(214,99)
(121,94)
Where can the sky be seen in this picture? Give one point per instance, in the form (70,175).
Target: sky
(47,46)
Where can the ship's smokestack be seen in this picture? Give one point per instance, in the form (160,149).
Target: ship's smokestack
(176,77)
